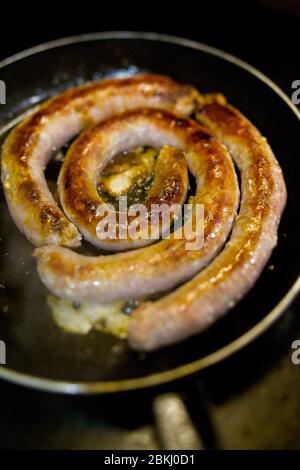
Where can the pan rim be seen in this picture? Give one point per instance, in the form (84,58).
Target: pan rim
(52,385)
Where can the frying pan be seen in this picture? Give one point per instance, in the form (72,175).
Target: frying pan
(38,353)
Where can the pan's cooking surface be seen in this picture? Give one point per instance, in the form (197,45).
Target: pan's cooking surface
(34,344)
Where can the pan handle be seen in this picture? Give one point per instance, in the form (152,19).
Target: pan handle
(174,425)
(183,416)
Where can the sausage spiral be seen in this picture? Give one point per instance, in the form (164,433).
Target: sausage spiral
(210,294)
(31,144)
(153,110)
(167,263)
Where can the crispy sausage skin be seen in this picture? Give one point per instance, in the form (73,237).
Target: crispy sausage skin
(167,263)
(90,153)
(200,302)
(32,143)
(153,110)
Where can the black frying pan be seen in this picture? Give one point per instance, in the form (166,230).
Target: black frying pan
(39,354)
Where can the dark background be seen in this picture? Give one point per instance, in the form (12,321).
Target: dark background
(264,33)
(251,400)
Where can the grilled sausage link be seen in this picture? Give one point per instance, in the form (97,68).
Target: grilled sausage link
(161,266)
(90,153)
(200,302)
(32,143)
(153,111)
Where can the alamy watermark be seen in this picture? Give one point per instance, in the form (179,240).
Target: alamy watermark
(2,352)
(152,223)
(296,94)
(2,92)
(295,357)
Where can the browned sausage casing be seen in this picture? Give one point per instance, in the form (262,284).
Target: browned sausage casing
(148,110)
(200,302)
(32,143)
(161,266)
